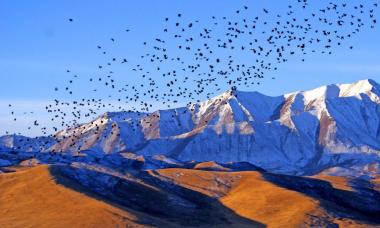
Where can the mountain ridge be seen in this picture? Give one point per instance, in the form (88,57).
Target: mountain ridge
(302,132)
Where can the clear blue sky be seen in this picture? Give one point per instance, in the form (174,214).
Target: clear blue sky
(38,44)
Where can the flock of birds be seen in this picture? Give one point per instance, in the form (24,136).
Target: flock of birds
(191,59)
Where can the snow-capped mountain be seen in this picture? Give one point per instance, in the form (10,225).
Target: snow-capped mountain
(302,132)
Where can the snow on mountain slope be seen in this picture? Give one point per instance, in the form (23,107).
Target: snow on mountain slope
(19,142)
(303,132)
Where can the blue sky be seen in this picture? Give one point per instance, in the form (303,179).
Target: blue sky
(38,45)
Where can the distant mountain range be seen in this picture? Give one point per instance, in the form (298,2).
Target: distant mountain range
(333,128)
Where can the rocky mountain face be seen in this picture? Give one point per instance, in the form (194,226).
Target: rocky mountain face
(300,133)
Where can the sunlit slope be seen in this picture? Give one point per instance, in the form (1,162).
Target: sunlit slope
(41,197)
(251,196)
(32,198)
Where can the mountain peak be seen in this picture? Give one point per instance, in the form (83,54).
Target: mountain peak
(367,81)
(362,86)
(364,83)
(355,89)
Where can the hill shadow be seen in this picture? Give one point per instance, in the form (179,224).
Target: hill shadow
(67,182)
(152,196)
(362,204)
